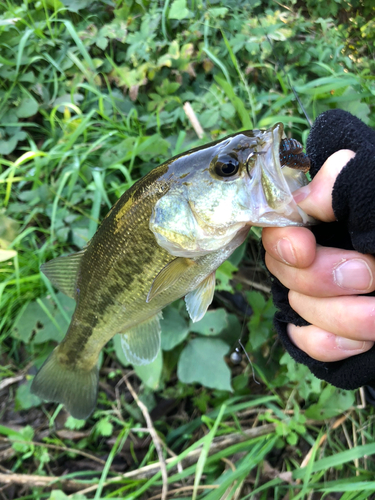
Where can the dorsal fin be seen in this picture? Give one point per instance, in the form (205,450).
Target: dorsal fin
(62,272)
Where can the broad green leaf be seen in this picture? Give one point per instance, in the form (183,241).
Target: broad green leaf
(67,99)
(27,77)
(74,423)
(26,322)
(54,326)
(152,147)
(21,443)
(24,399)
(256,300)
(60,495)
(223,276)
(116,30)
(259,333)
(232,332)
(7,146)
(202,361)
(76,5)
(44,318)
(212,323)
(151,374)
(178,10)
(308,383)
(80,234)
(102,42)
(209,118)
(227,111)
(28,107)
(218,11)
(332,402)
(104,427)
(174,329)
(357,108)
(238,254)
(117,152)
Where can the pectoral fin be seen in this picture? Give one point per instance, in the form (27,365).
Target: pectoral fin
(168,276)
(141,343)
(198,300)
(62,272)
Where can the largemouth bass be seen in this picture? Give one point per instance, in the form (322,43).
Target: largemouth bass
(162,240)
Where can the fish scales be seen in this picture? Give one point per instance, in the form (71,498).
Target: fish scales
(123,251)
(162,240)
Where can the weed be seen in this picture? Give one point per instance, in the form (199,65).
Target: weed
(91,99)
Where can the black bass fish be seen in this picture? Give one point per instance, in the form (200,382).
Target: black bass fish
(163,240)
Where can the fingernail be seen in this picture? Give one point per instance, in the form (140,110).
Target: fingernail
(286,251)
(351,345)
(301,193)
(354,274)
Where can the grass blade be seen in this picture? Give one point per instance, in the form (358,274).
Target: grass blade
(205,449)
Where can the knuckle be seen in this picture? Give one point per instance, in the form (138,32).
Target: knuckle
(366,323)
(293,299)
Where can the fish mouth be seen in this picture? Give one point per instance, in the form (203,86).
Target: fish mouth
(274,137)
(272,185)
(292,169)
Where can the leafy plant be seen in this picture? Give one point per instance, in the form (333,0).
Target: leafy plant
(260,323)
(91,99)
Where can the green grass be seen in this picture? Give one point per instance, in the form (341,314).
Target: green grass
(91,98)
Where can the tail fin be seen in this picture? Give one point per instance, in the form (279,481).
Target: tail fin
(77,389)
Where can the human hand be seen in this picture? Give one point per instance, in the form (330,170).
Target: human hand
(328,313)
(324,282)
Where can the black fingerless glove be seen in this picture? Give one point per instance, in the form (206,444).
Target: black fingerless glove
(354,207)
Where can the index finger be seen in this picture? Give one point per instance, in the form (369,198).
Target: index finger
(295,246)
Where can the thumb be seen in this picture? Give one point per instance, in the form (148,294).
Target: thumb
(316,198)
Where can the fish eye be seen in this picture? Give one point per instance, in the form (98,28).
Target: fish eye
(226,166)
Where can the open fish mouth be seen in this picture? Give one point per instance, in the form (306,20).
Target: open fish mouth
(276,174)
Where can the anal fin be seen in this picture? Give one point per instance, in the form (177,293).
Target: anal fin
(62,272)
(169,275)
(141,343)
(198,300)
